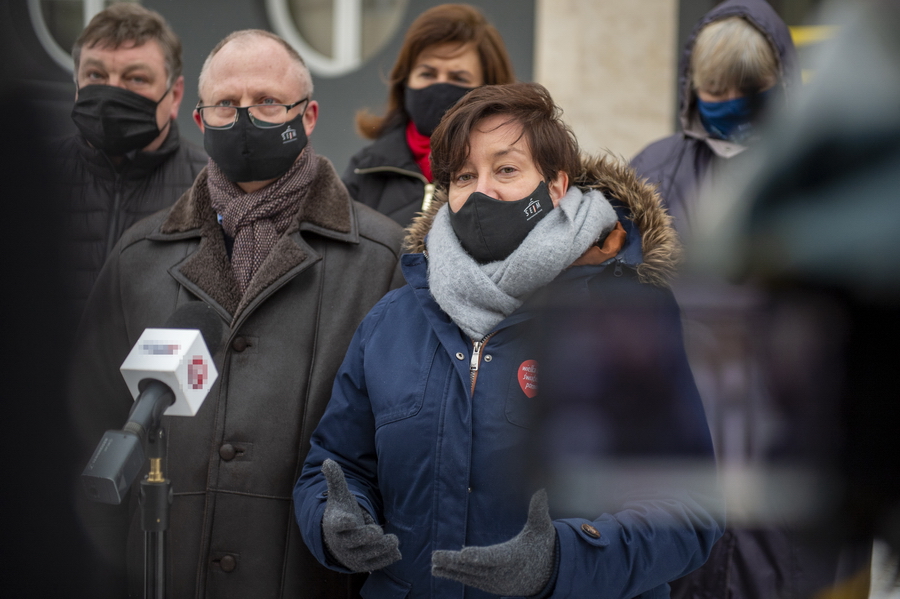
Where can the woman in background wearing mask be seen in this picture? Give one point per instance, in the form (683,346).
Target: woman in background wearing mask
(448,50)
(738,61)
(421,469)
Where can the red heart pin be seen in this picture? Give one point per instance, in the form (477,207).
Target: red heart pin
(528,377)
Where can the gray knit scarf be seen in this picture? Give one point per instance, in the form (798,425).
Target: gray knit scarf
(478,296)
(257,219)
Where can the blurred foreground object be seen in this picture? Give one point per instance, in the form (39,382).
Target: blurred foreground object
(813,220)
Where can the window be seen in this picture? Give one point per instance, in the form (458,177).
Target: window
(58,24)
(336,36)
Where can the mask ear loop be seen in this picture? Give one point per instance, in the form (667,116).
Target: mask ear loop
(169,121)
(165,94)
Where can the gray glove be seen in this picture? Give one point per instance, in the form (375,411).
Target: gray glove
(521,566)
(351,535)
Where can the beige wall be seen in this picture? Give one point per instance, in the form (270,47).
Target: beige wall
(610,65)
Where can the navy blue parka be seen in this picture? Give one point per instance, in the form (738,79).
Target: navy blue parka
(432,435)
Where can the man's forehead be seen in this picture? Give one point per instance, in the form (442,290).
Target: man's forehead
(249,45)
(261,67)
(127,51)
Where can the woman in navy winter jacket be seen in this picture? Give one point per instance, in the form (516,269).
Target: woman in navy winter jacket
(418,470)
(448,50)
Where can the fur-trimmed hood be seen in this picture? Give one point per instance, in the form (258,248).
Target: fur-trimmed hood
(616,180)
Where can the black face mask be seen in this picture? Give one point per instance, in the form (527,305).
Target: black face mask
(491,230)
(247,153)
(426,106)
(114,119)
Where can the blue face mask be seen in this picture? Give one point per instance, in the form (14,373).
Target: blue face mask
(732,119)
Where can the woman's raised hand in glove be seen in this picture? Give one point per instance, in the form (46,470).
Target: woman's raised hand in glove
(521,566)
(352,536)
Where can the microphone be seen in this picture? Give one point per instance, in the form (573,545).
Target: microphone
(168,371)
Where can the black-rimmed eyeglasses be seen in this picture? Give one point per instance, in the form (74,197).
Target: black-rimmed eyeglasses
(263,116)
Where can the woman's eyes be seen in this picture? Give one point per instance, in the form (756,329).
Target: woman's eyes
(467,177)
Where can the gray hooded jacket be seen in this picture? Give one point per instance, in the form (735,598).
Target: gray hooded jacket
(679,163)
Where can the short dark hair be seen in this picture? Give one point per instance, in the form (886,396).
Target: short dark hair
(129,22)
(443,24)
(551,142)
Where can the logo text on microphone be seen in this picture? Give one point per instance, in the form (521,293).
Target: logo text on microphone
(160,348)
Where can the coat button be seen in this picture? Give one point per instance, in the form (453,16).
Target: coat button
(590,531)
(460,355)
(227,452)
(239,344)
(488,358)
(228,563)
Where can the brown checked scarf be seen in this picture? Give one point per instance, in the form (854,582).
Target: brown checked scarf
(257,219)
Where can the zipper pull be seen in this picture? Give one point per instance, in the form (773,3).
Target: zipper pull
(473,364)
(477,347)
(618,270)
(476,360)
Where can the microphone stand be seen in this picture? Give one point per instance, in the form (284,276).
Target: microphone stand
(155,499)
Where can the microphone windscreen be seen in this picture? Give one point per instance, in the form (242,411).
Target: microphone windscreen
(199,315)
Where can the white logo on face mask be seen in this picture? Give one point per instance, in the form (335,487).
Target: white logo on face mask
(532,209)
(289,135)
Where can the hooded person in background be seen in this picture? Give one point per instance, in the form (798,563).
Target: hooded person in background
(269,239)
(812,222)
(127,161)
(738,62)
(419,470)
(448,50)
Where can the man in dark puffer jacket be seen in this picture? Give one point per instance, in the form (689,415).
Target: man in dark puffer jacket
(127,160)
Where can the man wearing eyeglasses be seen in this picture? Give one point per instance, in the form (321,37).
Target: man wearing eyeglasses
(127,160)
(269,238)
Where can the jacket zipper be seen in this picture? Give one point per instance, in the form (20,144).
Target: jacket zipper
(475,362)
